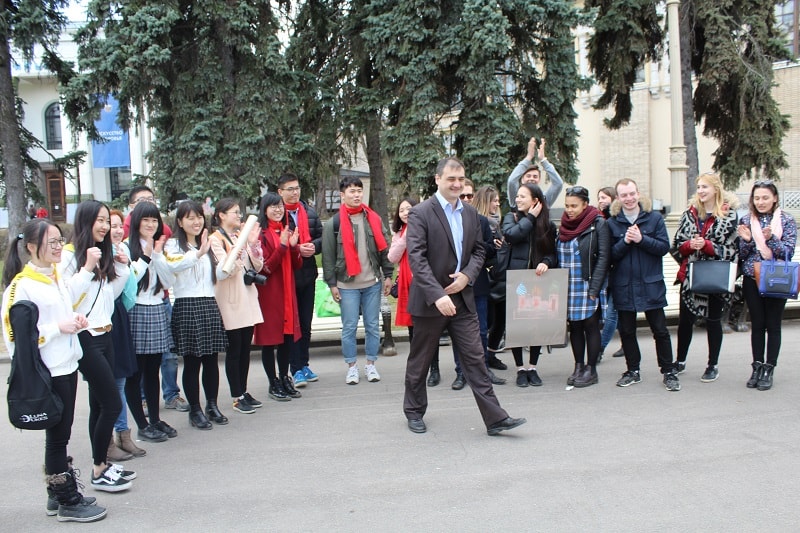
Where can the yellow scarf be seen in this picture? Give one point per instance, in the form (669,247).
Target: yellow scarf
(29,272)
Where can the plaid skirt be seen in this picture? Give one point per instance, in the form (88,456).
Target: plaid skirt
(150,329)
(197,327)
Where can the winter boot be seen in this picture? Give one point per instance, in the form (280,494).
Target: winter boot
(752,383)
(765,379)
(125,442)
(72,507)
(116,454)
(288,386)
(276,391)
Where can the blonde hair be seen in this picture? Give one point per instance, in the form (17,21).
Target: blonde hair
(713,179)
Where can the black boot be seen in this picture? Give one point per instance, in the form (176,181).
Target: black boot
(288,386)
(435,377)
(198,419)
(588,376)
(752,383)
(72,507)
(575,373)
(52,501)
(765,379)
(276,391)
(214,414)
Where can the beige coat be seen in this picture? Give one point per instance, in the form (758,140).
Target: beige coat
(237,302)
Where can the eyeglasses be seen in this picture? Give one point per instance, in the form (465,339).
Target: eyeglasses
(279,207)
(140,199)
(763,183)
(466,196)
(577,191)
(291,189)
(237,213)
(55,244)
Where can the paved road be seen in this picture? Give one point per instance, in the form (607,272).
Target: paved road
(713,457)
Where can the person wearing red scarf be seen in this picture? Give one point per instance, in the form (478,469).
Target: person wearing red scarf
(356,266)
(281,326)
(584,248)
(303,220)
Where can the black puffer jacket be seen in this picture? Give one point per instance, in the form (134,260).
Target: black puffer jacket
(308,273)
(519,232)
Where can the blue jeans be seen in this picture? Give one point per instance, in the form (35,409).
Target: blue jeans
(366,302)
(122,420)
(609,325)
(482,307)
(169,367)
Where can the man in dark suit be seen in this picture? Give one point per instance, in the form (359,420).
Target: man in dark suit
(445,252)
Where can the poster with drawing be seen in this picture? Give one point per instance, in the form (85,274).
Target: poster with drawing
(536,307)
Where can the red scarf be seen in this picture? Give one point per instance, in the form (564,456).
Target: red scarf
(302,220)
(287,279)
(404,275)
(573,227)
(348,239)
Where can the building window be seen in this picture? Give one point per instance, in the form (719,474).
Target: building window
(52,126)
(120,180)
(787,18)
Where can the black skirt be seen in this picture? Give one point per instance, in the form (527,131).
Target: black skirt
(197,327)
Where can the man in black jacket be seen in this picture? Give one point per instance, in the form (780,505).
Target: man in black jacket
(304,219)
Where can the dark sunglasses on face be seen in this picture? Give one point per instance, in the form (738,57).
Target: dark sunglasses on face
(466,196)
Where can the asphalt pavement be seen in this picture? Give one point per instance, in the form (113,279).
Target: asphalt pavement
(712,457)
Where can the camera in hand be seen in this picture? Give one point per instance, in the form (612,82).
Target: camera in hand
(251,276)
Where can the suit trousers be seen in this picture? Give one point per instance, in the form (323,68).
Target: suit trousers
(465,333)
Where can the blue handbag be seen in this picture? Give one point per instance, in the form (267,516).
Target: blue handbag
(778,279)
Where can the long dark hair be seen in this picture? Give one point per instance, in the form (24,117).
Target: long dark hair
(83,239)
(184,210)
(144,210)
(545,241)
(397,224)
(33,232)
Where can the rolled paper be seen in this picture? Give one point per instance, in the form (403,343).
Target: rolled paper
(230,261)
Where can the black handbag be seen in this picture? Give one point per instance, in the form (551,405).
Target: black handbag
(32,404)
(497,271)
(712,277)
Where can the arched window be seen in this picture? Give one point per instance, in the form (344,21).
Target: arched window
(52,126)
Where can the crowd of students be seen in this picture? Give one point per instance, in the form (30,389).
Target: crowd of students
(102,310)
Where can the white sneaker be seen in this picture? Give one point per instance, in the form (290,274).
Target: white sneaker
(352,375)
(110,481)
(372,373)
(127,475)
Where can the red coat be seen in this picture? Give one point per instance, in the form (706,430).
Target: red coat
(275,295)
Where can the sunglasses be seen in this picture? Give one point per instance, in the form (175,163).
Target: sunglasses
(466,196)
(763,183)
(577,191)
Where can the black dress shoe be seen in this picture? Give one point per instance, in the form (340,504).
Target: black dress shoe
(504,425)
(459,382)
(214,414)
(170,431)
(198,419)
(434,378)
(497,364)
(417,425)
(496,380)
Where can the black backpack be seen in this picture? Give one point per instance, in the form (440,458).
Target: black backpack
(32,404)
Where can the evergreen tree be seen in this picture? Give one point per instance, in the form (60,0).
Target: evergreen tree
(208,77)
(26,24)
(731,50)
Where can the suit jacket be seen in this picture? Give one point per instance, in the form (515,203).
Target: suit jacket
(432,255)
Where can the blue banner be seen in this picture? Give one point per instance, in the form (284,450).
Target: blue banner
(115,152)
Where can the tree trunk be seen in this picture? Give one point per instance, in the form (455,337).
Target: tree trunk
(689,130)
(377,181)
(13,170)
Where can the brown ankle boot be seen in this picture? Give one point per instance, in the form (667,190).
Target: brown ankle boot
(125,442)
(116,454)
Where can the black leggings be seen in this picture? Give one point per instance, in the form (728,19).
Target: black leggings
(104,401)
(237,359)
(191,378)
(584,336)
(766,315)
(497,323)
(536,351)
(57,437)
(133,395)
(150,367)
(284,354)
(686,320)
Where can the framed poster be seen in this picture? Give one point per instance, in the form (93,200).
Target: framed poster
(536,307)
